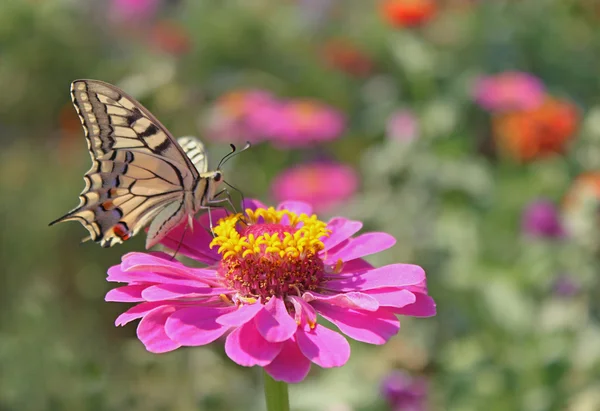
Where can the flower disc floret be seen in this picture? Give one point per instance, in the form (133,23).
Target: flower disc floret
(270,253)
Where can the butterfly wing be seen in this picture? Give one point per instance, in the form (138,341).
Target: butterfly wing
(195,151)
(138,170)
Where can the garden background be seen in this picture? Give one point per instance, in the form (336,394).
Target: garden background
(470,130)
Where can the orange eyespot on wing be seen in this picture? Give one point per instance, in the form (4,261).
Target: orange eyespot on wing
(122,231)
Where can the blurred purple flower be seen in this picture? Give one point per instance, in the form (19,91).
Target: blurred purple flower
(298,123)
(541,219)
(231,117)
(511,90)
(128,11)
(565,286)
(402,126)
(323,184)
(405,393)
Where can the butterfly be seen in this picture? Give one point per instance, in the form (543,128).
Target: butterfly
(140,174)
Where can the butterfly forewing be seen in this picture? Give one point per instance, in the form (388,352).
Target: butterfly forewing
(139,173)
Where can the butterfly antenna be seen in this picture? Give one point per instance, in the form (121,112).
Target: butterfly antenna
(180,242)
(233,153)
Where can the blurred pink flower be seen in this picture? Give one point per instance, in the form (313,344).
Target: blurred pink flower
(541,219)
(268,277)
(566,286)
(511,90)
(402,126)
(322,184)
(297,123)
(133,11)
(405,393)
(229,119)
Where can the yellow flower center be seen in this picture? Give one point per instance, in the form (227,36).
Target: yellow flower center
(264,233)
(270,253)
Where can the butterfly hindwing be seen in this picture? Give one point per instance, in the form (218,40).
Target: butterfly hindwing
(195,151)
(139,173)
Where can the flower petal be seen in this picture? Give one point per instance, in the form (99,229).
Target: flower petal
(274,323)
(143,262)
(298,207)
(138,311)
(192,242)
(341,230)
(305,313)
(393,275)
(151,331)
(352,299)
(253,204)
(240,316)
(392,297)
(323,346)
(290,365)
(126,294)
(195,325)
(247,347)
(373,328)
(365,244)
(172,291)
(424,306)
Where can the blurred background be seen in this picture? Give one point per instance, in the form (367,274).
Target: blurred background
(470,130)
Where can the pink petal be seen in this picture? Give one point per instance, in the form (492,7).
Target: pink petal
(192,242)
(290,365)
(172,291)
(195,325)
(365,244)
(305,313)
(240,316)
(151,331)
(323,346)
(424,306)
(373,328)
(392,297)
(298,207)
(247,347)
(342,229)
(274,323)
(138,311)
(356,265)
(394,275)
(356,300)
(253,204)
(170,268)
(126,294)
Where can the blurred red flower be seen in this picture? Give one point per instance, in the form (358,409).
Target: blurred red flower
(345,56)
(538,132)
(408,13)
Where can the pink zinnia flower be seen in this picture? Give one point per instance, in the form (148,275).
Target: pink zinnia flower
(402,126)
(229,119)
(128,11)
(270,273)
(541,219)
(298,123)
(323,184)
(405,393)
(511,90)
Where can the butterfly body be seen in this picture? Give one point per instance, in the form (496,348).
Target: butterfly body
(140,174)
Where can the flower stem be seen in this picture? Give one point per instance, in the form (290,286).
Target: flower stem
(276,394)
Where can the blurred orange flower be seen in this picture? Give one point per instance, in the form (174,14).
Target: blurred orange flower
(538,132)
(170,37)
(408,13)
(585,185)
(343,55)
